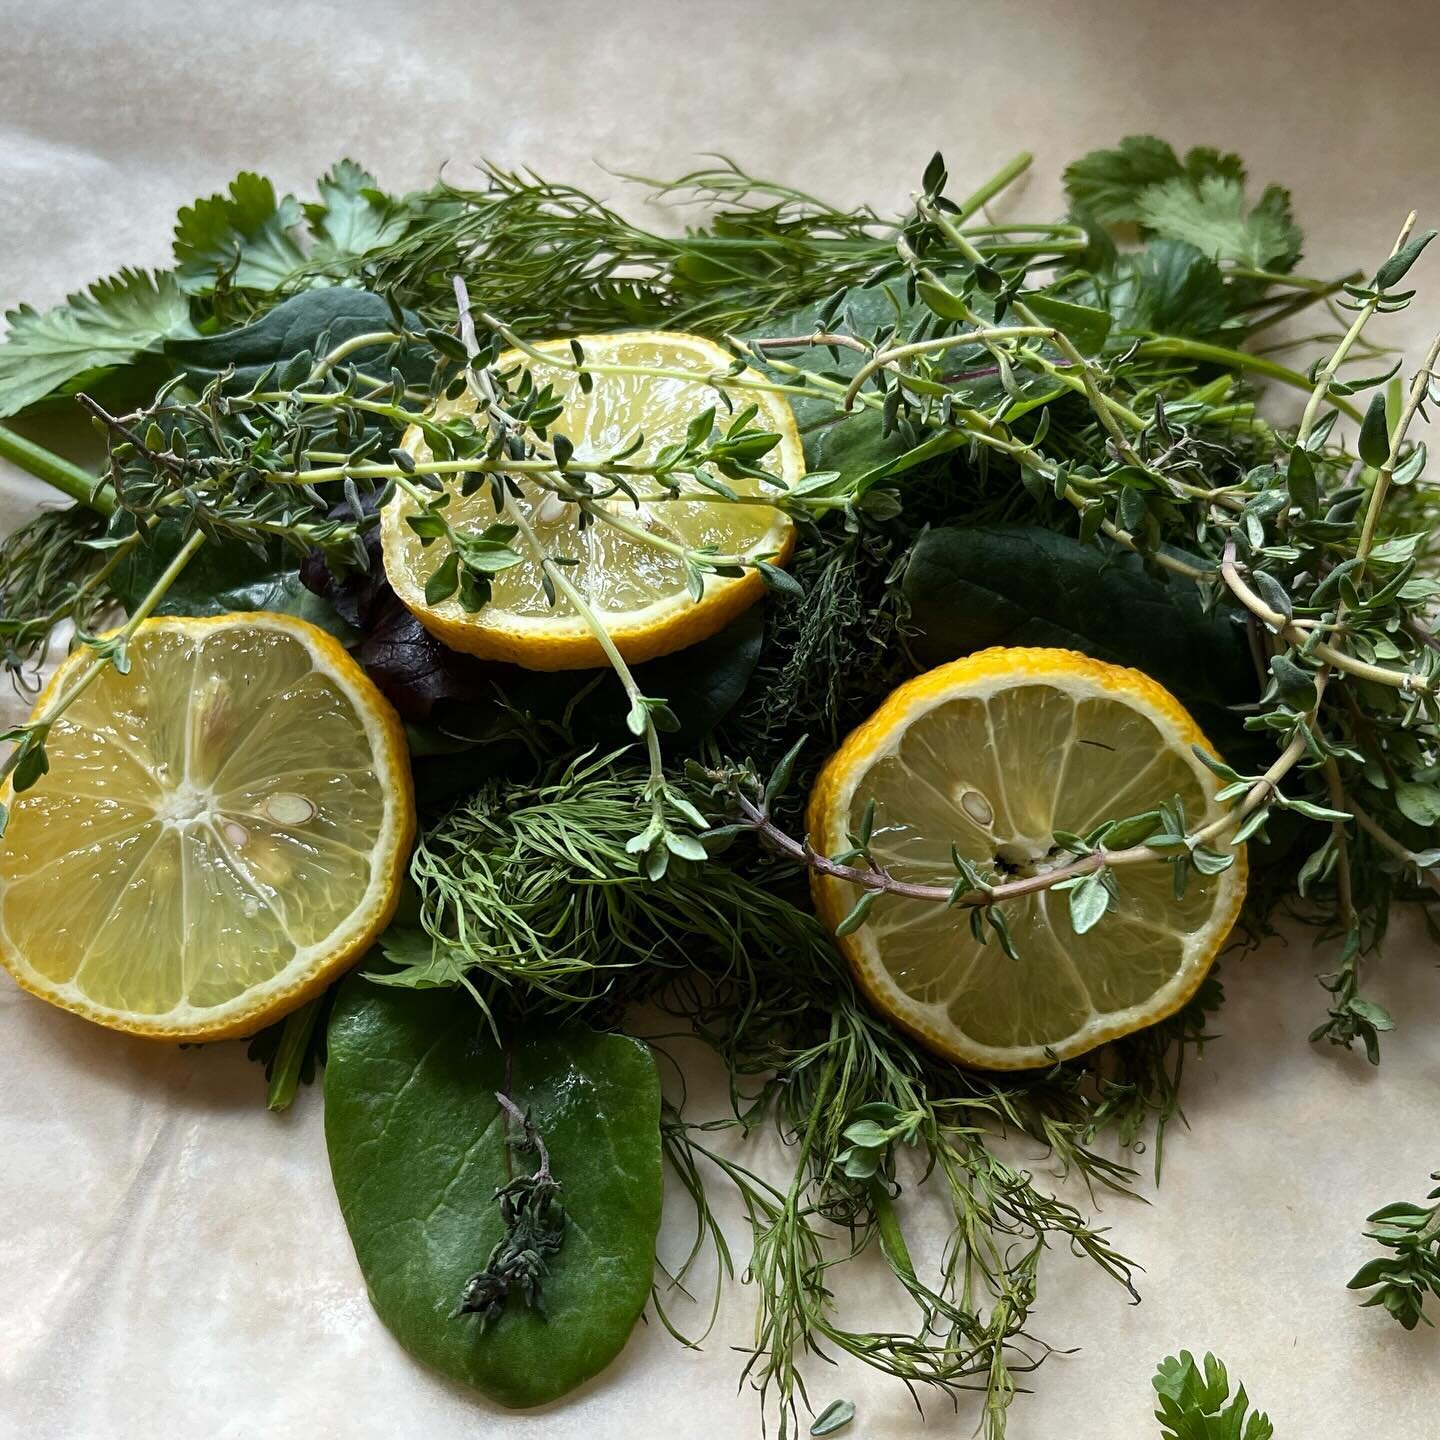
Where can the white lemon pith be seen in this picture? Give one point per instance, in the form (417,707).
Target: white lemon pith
(638,590)
(993,754)
(222,829)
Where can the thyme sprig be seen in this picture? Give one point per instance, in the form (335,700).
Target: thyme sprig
(1402,1280)
(534,1220)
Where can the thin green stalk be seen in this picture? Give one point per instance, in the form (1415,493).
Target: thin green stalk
(82,682)
(1174,347)
(1003,178)
(69,479)
(585,610)
(1332,366)
(329,361)
(290,1057)
(1419,388)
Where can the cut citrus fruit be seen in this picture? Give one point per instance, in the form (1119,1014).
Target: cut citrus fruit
(221,831)
(638,589)
(994,753)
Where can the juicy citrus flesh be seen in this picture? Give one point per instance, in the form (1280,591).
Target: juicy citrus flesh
(994,753)
(222,829)
(638,590)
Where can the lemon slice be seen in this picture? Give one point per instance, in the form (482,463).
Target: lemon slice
(638,589)
(994,753)
(221,831)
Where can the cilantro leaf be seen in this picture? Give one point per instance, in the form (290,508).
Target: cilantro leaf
(1193,1403)
(1109,185)
(353,216)
(1200,200)
(1106,184)
(1211,216)
(247,234)
(1205,160)
(112,323)
(1169,288)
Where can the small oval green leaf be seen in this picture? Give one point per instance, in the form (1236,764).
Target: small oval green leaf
(1374,442)
(835,1416)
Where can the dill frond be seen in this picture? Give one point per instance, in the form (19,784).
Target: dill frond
(528,897)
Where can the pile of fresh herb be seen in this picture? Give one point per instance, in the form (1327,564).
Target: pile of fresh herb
(1016,433)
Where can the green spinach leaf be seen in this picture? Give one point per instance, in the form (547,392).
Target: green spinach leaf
(222,578)
(296,324)
(1022,585)
(417,1150)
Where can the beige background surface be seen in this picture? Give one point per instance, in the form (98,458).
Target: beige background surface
(171,1257)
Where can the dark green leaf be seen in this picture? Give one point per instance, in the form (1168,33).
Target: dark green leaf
(1087,326)
(222,578)
(856,916)
(1396,267)
(1300,481)
(781,582)
(941,301)
(779,780)
(1089,900)
(1170,288)
(1411,467)
(1211,216)
(294,325)
(417,1149)
(1273,593)
(445,581)
(1211,862)
(1419,803)
(1374,444)
(866,1133)
(247,233)
(33,763)
(835,1416)
(1018,585)
(1108,183)
(1132,830)
(1295,683)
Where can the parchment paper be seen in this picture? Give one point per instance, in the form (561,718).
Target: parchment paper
(172,1261)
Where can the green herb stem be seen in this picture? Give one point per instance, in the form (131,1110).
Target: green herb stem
(295,1040)
(1175,347)
(1002,179)
(69,479)
(1419,389)
(1329,370)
